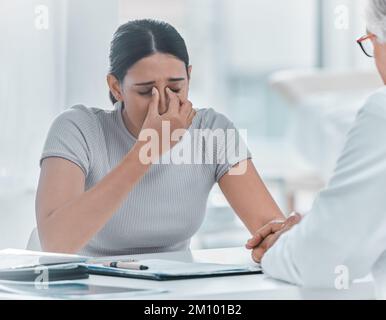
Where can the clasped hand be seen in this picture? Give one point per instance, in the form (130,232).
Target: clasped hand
(266,236)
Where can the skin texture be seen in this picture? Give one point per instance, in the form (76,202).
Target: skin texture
(265,237)
(380,57)
(68,216)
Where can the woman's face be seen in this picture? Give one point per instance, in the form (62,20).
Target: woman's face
(380,57)
(158,70)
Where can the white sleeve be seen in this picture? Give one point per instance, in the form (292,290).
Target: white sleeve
(347,223)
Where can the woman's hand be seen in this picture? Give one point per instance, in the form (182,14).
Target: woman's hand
(178,117)
(266,236)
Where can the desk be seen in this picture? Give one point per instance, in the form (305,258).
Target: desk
(256,287)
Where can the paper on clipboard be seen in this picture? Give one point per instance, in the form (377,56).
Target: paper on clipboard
(169,269)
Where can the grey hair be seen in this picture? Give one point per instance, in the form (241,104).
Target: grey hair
(375,15)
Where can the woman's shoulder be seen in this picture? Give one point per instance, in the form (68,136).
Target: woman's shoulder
(80,115)
(208,118)
(78,119)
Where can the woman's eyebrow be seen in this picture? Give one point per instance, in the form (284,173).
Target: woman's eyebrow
(152,82)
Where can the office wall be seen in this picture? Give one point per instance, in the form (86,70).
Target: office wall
(30,88)
(90,26)
(342,22)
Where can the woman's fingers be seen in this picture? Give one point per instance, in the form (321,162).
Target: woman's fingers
(186,108)
(292,219)
(259,251)
(257,254)
(272,227)
(263,232)
(191,116)
(174,102)
(153,105)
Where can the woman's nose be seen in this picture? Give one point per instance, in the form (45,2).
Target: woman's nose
(163,102)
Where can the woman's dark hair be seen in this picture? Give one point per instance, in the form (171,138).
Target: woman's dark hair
(138,39)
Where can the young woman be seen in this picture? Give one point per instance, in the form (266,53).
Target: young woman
(97,197)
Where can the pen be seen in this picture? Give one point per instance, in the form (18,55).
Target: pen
(106,263)
(126,265)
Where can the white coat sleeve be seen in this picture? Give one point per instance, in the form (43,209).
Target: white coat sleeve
(347,223)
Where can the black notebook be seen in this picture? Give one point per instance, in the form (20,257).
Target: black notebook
(42,273)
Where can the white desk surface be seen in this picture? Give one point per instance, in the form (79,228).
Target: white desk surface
(256,287)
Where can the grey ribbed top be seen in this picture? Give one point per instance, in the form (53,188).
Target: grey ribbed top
(167,206)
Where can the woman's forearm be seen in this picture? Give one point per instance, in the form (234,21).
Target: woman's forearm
(249,198)
(69,227)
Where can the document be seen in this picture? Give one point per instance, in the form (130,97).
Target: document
(169,269)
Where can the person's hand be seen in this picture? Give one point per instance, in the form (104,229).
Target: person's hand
(179,115)
(268,229)
(266,236)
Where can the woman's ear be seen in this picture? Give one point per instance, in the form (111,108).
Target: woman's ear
(115,87)
(189,71)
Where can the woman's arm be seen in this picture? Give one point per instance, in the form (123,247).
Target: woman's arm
(67,216)
(249,198)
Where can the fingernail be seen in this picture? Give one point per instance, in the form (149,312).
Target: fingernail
(153,91)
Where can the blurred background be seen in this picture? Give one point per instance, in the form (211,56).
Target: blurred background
(290,72)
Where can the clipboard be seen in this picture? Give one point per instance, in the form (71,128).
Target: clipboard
(163,270)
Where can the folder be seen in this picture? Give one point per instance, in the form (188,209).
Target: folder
(16,258)
(25,265)
(175,270)
(45,273)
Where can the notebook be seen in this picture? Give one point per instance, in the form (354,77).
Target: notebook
(49,273)
(25,265)
(16,258)
(175,270)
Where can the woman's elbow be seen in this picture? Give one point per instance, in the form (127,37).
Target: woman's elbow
(56,242)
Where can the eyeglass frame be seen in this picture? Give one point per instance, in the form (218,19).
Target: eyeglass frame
(363,38)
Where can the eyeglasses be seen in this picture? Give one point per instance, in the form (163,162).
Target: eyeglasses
(366,45)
